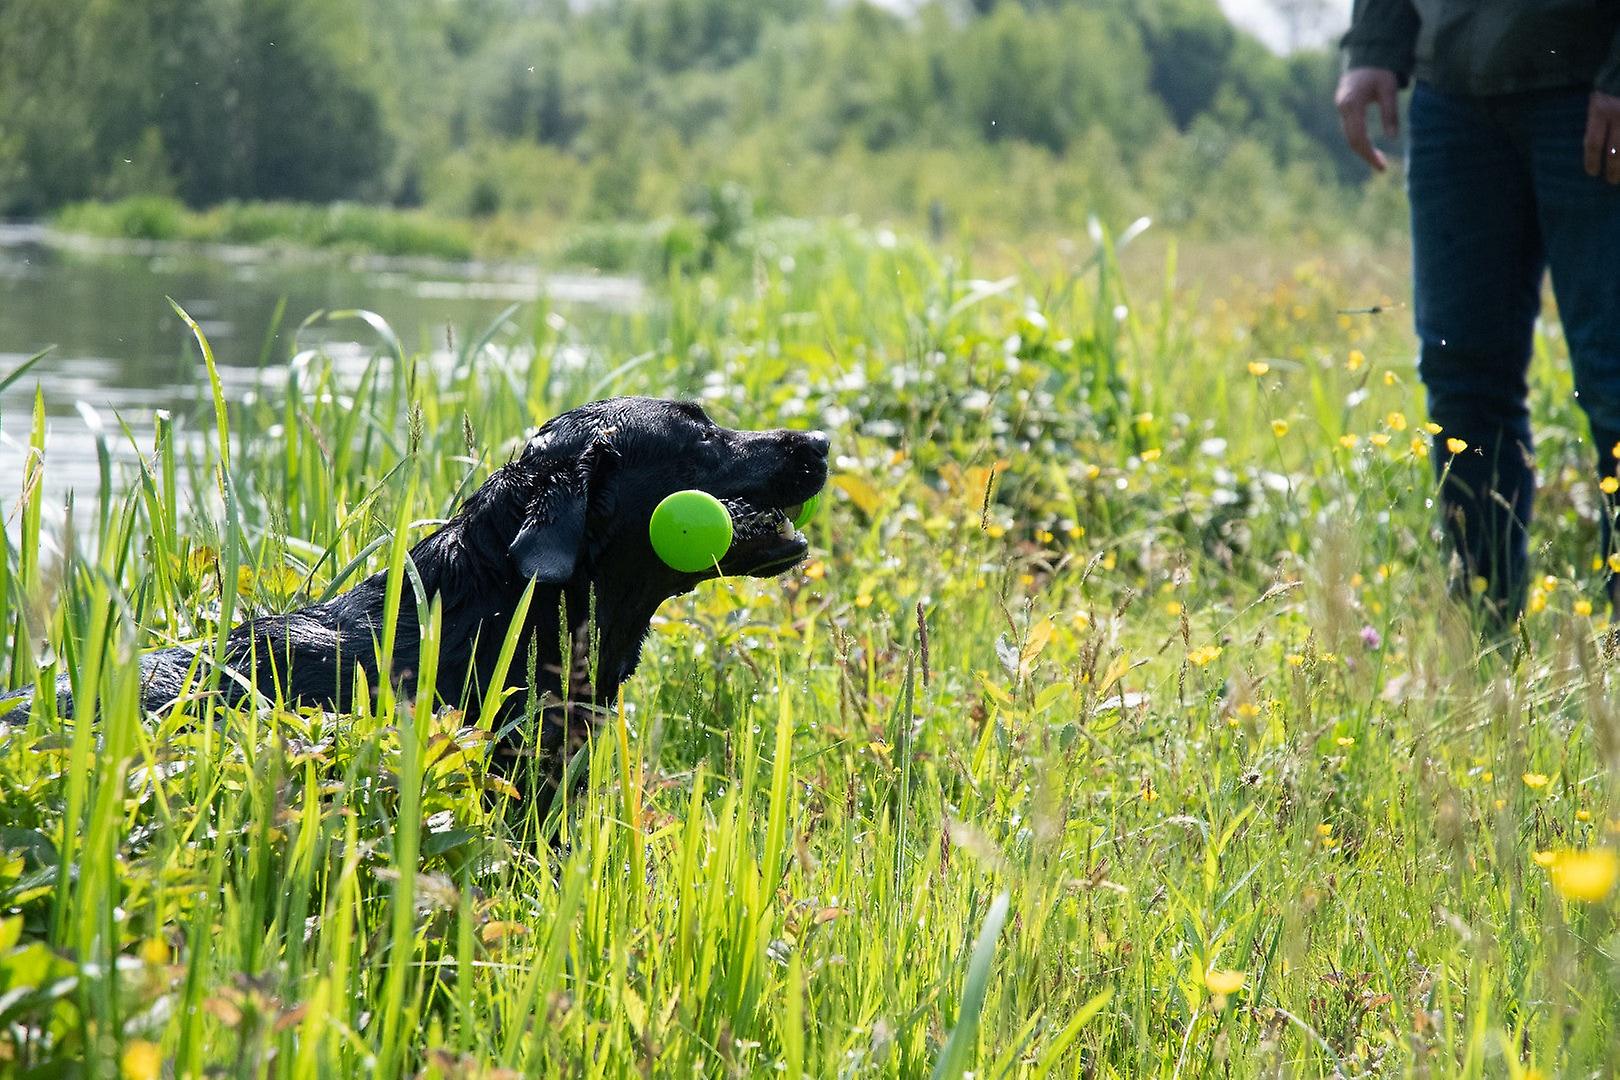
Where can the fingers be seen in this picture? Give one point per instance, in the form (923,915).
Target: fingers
(1353,118)
(1360,88)
(1600,146)
(1595,144)
(1388,109)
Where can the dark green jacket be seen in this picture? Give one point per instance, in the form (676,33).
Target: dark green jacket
(1490,46)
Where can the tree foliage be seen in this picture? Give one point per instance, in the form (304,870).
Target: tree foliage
(638,107)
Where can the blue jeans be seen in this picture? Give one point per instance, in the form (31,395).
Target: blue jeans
(1499,196)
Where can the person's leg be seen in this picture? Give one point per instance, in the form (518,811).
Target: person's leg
(1580,221)
(1477,267)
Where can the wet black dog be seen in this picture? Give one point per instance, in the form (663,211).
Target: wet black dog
(570,512)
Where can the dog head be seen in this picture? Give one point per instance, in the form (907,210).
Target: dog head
(595,474)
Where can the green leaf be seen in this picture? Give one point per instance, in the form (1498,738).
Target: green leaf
(953,1060)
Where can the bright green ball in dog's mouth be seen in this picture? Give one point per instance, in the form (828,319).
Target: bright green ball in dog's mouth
(806,511)
(690,531)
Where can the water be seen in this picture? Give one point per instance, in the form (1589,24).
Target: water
(121,353)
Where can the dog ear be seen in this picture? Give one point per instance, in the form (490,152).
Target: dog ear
(548,546)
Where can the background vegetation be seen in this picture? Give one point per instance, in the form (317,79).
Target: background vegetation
(972,118)
(1121,724)
(1091,742)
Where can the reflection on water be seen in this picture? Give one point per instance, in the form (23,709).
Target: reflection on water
(120,352)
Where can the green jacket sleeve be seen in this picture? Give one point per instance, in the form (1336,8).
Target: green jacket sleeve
(1608,76)
(1383,34)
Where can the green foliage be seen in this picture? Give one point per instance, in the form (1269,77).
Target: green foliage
(1120,725)
(340,226)
(216,100)
(545,114)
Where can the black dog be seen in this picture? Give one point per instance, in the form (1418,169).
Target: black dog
(570,512)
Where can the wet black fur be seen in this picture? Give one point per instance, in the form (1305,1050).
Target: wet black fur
(570,511)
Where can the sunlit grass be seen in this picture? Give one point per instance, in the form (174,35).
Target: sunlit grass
(1120,724)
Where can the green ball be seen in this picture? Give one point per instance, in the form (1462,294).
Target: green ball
(807,511)
(690,531)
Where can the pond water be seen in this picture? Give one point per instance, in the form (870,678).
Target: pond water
(119,352)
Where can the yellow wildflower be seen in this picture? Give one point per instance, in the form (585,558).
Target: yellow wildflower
(1203,655)
(1543,859)
(1456,445)
(1609,485)
(1583,608)
(1279,428)
(1355,360)
(1378,438)
(141,1060)
(1536,781)
(1224,983)
(1258,368)
(1585,876)
(1349,441)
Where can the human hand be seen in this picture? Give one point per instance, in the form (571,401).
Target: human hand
(1364,86)
(1602,143)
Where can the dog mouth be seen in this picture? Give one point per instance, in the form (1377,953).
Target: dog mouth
(764,540)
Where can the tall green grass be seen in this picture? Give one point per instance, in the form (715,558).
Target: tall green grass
(1113,729)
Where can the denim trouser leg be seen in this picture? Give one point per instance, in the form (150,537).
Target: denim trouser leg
(1477,267)
(1580,222)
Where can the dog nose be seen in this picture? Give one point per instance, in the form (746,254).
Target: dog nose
(817,441)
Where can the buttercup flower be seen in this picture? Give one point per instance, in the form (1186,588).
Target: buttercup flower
(1224,982)
(1585,876)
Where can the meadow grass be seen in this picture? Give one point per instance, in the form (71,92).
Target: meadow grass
(1119,726)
